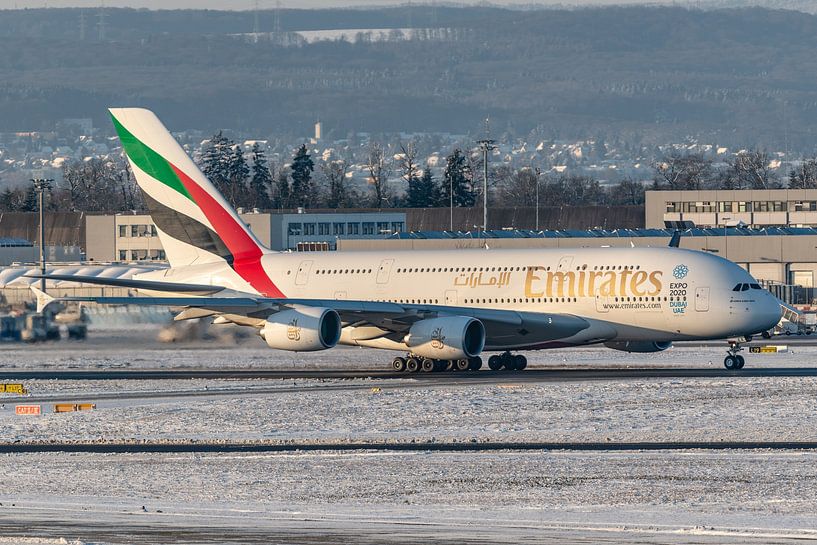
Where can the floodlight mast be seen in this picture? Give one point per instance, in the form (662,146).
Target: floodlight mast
(41,185)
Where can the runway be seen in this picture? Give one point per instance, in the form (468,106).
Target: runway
(250,447)
(478,377)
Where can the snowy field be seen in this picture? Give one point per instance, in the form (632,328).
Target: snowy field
(408,497)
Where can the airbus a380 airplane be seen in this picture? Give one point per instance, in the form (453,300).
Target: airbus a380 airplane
(443,308)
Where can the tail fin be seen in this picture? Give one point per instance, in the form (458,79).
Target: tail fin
(194,221)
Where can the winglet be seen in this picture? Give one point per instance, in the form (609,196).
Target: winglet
(43,299)
(675,241)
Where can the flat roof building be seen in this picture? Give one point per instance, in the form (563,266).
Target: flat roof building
(718,208)
(133,237)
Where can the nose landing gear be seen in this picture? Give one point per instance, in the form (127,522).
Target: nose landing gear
(734,360)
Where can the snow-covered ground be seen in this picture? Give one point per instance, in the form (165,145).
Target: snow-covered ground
(406,497)
(551,497)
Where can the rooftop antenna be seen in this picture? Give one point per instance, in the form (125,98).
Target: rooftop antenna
(81,26)
(276,22)
(408,17)
(101,23)
(256,25)
(433,12)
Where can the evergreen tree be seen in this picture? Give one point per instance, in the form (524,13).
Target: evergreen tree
(8,200)
(457,176)
(423,191)
(302,167)
(30,200)
(261,179)
(237,173)
(215,161)
(284,199)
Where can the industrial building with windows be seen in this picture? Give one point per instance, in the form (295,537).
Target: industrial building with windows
(729,208)
(133,237)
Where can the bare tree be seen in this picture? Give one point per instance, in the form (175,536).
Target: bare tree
(334,174)
(379,169)
(682,171)
(518,188)
(804,176)
(409,170)
(752,170)
(628,191)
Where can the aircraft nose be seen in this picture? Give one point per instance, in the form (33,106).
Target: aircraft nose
(766,313)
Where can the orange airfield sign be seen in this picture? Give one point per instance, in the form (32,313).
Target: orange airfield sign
(28,410)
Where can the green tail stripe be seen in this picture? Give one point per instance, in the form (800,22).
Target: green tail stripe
(148,160)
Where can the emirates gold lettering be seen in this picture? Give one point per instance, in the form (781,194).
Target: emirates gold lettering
(623,283)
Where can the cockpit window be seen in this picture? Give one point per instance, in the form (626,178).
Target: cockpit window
(755,286)
(738,287)
(744,287)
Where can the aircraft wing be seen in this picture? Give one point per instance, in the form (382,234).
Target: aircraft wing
(392,318)
(187,289)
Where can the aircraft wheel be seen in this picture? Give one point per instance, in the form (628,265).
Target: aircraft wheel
(412,365)
(427,365)
(475,364)
(463,365)
(731,363)
(520,362)
(399,364)
(741,361)
(495,363)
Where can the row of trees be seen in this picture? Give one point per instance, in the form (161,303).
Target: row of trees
(747,170)
(99,185)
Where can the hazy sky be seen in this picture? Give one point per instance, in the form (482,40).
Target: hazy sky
(267,4)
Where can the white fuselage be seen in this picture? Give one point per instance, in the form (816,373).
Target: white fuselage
(626,294)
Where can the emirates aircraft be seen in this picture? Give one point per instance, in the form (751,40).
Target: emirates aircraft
(443,309)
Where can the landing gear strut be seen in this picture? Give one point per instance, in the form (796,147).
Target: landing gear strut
(734,360)
(507,360)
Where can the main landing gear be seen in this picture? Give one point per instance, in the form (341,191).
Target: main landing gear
(413,364)
(511,362)
(734,360)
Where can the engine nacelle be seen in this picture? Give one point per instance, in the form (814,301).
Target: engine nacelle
(639,346)
(452,338)
(303,329)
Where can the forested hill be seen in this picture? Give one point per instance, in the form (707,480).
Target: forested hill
(649,74)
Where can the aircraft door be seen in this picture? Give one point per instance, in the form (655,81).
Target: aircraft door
(451,297)
(384,271)
(565,263)
(601,302)
(303,273)
(702,299)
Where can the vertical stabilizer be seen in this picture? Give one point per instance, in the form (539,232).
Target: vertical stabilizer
(195,223)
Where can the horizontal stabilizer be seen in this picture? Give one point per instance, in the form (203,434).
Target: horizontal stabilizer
(188,289)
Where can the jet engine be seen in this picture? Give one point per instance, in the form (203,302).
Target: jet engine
(305,329)
(451,338)
(639,346)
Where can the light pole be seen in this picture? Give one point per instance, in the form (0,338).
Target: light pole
(451,205)
(486,145)
(41,185)
(725,239)
(538,173)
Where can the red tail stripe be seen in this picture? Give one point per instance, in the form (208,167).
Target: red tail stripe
(245,251)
